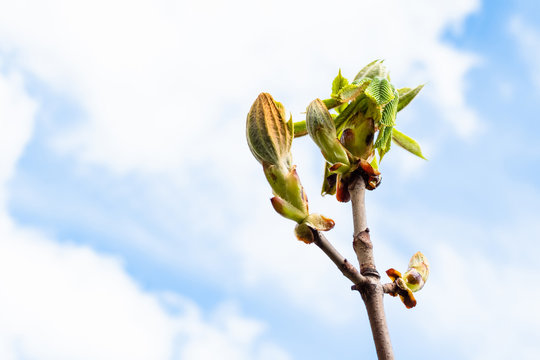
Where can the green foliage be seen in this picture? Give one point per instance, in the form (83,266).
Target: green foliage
(339,83)
(371,70)
(361,125)
(406,95)
(407,143)
(380,91)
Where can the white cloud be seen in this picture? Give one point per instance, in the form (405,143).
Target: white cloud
(158,80)
(69,302)
(135,68)
(527,38)
(164,86)
(479,290)
(16,121)
(169,93)
(477,302)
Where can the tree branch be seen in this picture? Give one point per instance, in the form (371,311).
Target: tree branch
(391,288)
(372,291)
(348,269)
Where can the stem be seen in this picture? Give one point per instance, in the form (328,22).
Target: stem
(372,291)
(348,269)
(391,288)
(358,198)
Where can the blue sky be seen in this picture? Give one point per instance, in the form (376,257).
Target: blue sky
(135,224)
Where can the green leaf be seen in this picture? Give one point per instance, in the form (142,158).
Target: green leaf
(374,163)
(406,95)
(374,68)
(348,113)
(339,83)
(388,117)
(329,181)
(384,141)
(407,143)
(352,91)
(340,108)
(380,91)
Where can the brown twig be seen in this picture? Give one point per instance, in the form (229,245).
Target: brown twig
(390,288)
(372,291)
(348,269)
(367,281)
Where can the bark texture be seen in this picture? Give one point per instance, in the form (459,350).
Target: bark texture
(371,290)
(367,280)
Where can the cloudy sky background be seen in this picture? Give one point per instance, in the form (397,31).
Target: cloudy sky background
(135,224)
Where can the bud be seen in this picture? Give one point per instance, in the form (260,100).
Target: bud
(413,280)
(322,130)
(371,175)
(318,222)
(269,135)
(269,138)
(287,210)
(417,273)
(358,137)
(287,187)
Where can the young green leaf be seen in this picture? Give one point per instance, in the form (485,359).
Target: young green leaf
(374,68)
(351,91)
(384,141)
(339,83)
(348,113)
(388,117)
(406,95)
(329,181)
(380,91)
(407,143)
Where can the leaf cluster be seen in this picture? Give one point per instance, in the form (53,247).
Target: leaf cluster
(363,119)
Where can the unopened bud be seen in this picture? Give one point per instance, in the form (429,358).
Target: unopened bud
(287,210)
(269,135)
(322,130)
(412,281)
(418,272)
(287,188)
(358,138)
(318,222)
